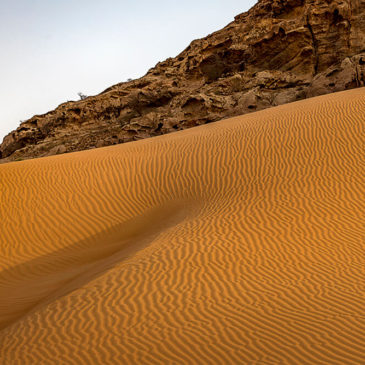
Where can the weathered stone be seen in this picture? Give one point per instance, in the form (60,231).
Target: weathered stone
(350,73)
(57,150)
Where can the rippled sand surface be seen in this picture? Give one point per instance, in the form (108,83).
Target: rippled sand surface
(238,242)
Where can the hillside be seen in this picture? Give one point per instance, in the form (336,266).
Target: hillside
(276,53)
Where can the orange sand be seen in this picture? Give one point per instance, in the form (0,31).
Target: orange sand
(238,242)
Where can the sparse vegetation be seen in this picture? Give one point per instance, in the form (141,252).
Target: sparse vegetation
(82,96)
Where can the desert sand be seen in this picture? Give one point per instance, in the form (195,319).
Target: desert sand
(237,242)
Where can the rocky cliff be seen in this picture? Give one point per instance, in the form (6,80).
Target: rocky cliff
(278,52)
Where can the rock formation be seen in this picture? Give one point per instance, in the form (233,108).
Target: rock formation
(278,52)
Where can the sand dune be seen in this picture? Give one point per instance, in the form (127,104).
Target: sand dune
(238,242)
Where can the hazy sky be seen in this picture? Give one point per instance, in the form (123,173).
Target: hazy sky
(53,49)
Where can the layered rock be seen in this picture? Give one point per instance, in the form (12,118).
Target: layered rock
(278,52)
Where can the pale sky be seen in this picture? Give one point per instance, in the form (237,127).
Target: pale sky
(53,49)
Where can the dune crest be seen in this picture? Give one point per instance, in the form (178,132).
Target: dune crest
(237,242)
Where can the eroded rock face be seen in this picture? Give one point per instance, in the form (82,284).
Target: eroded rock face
(278,52)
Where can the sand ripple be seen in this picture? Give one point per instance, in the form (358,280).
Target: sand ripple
(238,242)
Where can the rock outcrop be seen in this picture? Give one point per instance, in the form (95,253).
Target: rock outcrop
(278,52)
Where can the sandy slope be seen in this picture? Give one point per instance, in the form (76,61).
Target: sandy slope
(236,242)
